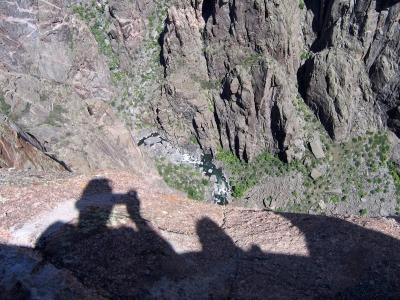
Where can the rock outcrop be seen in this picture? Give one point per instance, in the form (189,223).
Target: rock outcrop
(20,150)
(231,74)
(352,80)
(83,84)
(233,70)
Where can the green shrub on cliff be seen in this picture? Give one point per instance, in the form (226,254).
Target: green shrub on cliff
(184,178)
(5,108)
(243,176)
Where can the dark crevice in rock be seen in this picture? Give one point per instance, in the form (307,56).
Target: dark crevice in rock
(208,9)
(259,80)
(225,93)
(385,4)
(228,135)
(160,41)
(245,156)
(62,163)
(232,14)
(237,146)
(394,120)
(218,123)
(197,133)
(302,79)
(277,127)
(322,24)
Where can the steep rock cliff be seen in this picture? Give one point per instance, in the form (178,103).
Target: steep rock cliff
(257,56)
(352,81)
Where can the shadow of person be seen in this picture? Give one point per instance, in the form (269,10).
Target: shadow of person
(213,268)
(120,262)
(163,261)
(94,206)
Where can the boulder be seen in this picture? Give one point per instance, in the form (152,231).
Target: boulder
(317,173)
(316,148)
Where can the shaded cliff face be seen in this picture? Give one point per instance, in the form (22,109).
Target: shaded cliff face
(234,68)
(352,82)
(243,58)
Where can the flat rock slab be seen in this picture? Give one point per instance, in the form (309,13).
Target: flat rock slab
(115,235)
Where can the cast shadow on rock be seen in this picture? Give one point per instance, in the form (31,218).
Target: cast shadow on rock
(134,261)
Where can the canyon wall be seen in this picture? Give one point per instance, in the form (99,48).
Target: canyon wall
(234,69)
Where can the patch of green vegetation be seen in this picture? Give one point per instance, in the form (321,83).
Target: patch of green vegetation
(335,199)
(94,16)
(210,104)
(184,178)
(301,4)
(395,173)
(359,166)
(193,140)
(207,85)
(143,80)
(227,157)
(118,76)
(210,84)
(81,12)
(356,169)
(55,116)
(5,108)
(252,60)
(312,122)
(244,176)
(155,23)
(305,55)
(155,20)
(363,212)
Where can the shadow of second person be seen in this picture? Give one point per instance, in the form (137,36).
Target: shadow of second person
(117,261)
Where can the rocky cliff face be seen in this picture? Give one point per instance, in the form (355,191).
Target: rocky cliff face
(316,82)
(63,67)
(243,76)
(234,69)
(352,81)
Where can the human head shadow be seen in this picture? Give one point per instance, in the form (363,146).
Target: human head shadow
(94,205)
